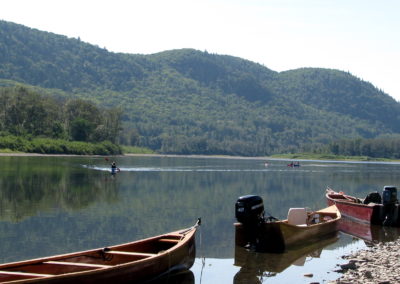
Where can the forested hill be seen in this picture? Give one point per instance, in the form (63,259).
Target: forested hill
(189,101)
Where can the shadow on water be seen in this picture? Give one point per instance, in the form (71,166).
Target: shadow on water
(182,277)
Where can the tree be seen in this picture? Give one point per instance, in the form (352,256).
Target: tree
(81,129)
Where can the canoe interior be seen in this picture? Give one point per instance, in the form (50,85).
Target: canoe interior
(89,260)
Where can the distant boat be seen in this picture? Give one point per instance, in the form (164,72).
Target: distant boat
(133,262)
(271,235)
(294,164)
(374,209)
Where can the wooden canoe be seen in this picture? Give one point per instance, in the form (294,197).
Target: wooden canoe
(361,210)
(277,236)
(132,262)
(352,207)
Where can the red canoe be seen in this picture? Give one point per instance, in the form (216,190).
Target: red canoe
(364,211)
(350,206)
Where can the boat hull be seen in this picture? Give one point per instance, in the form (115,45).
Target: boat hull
(294,235)
(359,212)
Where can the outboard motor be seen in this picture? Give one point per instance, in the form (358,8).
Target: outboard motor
(249,209)
(254,233)
(389,195)
(390,208)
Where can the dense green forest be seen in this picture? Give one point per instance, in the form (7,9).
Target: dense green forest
(192,102)
(386,147)
(30,122)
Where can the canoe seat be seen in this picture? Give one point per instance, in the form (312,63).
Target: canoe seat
(78,264)
(172,241)
(131,253)
(28,274)
(297,216)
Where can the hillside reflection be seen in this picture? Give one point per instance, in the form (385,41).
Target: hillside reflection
(34,186)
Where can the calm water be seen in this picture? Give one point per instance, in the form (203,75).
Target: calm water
(53,205)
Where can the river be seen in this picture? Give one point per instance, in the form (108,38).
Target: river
(52,205)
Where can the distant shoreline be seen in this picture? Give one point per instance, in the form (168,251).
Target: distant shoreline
(138,155)
(263,158)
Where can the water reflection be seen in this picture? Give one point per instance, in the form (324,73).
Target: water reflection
(35,185)
(368,232)
(257,266)
(182,277)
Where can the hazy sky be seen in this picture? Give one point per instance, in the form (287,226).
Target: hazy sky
(359,36)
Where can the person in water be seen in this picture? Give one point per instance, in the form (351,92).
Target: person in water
(113,167)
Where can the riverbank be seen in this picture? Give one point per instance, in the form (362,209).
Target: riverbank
(312,156)
(293,157)
(376,264)
(16,144)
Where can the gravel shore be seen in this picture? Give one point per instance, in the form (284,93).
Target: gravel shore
(379,263)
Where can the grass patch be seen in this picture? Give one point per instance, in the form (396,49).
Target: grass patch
(9,151)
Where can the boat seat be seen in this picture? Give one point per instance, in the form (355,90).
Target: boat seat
(297,216)
(131,253)
(27,274)
(78,264)
(172,241)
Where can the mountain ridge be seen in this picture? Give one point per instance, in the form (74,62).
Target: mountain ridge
(189,101)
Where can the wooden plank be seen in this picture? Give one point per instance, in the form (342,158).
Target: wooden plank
(78,264)
(169,241)
(25,273)
(130,253)
(328,210)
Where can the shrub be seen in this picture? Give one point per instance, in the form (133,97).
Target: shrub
(57,146)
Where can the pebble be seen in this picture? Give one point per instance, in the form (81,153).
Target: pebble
(377,264)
